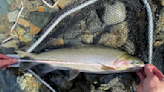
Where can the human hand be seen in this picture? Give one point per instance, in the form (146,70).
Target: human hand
(151,79)
(6,61)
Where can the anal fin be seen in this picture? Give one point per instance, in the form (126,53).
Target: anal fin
(73,74)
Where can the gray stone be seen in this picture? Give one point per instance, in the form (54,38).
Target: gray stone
(4,7)
(40,19)
(12,15)
(93,23)
(115,13)
(72,33)
(74,42)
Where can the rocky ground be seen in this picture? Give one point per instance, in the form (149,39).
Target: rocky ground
(119,24)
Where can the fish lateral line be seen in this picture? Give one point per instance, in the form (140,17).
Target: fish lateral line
(73,63)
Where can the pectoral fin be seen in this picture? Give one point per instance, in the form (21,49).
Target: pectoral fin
(107,68)
(73,74)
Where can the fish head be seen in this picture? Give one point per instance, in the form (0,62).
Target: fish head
(128,62)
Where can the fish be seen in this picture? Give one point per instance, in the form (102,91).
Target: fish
(90,59)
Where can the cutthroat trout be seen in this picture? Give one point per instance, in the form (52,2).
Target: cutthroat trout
(92,59)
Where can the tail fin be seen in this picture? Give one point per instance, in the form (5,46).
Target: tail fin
(23,54)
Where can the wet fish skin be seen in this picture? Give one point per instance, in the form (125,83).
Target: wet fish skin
(98,58)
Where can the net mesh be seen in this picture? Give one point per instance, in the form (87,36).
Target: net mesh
(121,24)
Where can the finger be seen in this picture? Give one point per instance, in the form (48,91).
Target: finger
(4,67)
(8,65)
(143,73)
(148,70)
(141,76)
(6,62)
(4,56)
(158,73)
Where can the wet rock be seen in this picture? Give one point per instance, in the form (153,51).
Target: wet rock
(75,90)
(93,23)
(40,9)
(61,82)
(40,19)
(115,13)
(50,10)
(71,33)
(63,3)
(12,16)
(10,2)
(11,44)
(82,86)
(12,7)
(159,33)
(74,42)
(162,2)
(91,78)
(28,83)
(25,13)
(2,37)
(87,38)
(34,29)
(23,22)
(38,2)
(57,42)
(14,34)
(117,36)
(4,7)
(20,31)
(27,4)
(27,39)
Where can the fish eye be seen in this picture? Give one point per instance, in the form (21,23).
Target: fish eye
(136,62)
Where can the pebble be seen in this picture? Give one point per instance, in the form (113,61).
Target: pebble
(87,38)
(23,22)
(4,7)
(12,16)
(40,19)
(117,36)
(34,29)
(63,3)
(115,13)
(20,31)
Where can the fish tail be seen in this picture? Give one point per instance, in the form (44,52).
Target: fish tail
(23,54)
